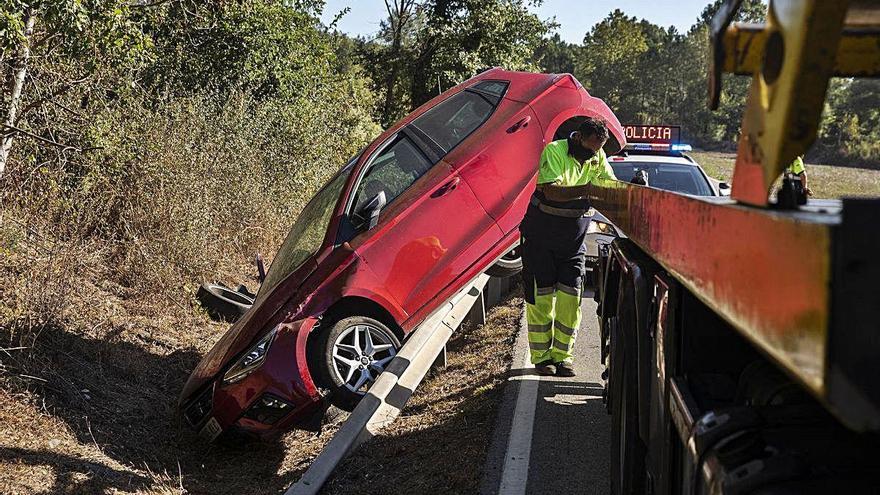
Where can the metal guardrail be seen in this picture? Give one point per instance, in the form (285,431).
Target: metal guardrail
(387,396)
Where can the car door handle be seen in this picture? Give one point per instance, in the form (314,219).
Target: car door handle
(446,188)
(522,123)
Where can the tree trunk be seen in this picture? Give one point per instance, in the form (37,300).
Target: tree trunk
(19,72)
(398,16)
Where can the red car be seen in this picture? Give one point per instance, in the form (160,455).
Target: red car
(431,203)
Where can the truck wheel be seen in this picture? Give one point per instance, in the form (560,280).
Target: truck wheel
(355,352)
(223,303)
(627,450)
(508,265)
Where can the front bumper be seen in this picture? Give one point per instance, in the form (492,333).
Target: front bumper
(283,380)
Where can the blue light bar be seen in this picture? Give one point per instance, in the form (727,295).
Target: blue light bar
(640,146)
(682,147)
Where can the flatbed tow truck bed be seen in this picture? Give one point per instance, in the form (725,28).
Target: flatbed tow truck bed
(741,337)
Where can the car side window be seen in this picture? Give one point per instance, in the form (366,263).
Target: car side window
(452,120)
(393,171)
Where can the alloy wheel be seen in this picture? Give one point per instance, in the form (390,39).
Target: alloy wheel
(360,354)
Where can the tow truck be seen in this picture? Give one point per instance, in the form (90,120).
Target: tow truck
(740,334)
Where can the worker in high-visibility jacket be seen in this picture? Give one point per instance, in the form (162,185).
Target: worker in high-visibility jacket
(797,168)
(553,251)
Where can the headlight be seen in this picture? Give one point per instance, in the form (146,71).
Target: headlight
(597,227)
(250,361)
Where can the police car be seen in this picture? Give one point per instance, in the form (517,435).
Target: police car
(657,153)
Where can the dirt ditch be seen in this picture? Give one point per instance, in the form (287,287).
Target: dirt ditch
(92,411)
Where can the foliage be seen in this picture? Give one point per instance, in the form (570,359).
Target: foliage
(97,30)
(851,122)
(183,147)
(263,47)
(445,42)
(649,74)
(557,56)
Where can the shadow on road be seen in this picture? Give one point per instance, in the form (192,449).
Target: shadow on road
(570,418)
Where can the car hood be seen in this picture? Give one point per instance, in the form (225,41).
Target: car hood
(254,324)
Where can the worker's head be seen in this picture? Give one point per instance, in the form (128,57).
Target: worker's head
(588,139)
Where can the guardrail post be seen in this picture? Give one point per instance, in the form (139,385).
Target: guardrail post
(505,286)
(492,292)
(440,362)
(477,314)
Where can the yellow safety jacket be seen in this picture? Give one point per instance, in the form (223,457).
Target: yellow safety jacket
(797,166)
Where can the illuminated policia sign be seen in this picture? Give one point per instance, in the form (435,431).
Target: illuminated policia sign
(669,134)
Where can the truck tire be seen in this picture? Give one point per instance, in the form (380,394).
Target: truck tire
(354,352)
(223,303)
(508,265)
(627,450)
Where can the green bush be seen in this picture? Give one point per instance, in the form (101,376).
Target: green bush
(190,189)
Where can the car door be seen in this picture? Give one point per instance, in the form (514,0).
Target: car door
(431,228)
(501,167)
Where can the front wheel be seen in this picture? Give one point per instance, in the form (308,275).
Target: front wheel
(355,352)
(508,265)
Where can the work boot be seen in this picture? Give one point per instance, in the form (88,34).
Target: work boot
(545,368)
(565,369)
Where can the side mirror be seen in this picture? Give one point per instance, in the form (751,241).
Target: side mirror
(641,178)
(371,210)
(724,188)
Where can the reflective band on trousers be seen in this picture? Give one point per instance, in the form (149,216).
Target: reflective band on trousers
(561,212)
(539,346)
(543,328)
(559,345)
(564,329)
(545,291)
(568,290)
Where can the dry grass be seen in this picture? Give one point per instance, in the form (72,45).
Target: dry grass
(826,181)
(90,408)
(100,255)
(99,261)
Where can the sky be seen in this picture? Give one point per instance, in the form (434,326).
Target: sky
(575,17)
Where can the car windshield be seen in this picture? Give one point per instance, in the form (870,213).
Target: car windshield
(676,177)
(308,231)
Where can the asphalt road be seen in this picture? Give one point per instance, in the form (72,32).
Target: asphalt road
(552,434)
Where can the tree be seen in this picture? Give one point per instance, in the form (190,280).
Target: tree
(458,38)
(557,56)
(90,33)
(400,16)
(264,47)
(610,63)
(426,46)
(649,74)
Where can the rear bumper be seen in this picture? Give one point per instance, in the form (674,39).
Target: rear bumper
(284,376)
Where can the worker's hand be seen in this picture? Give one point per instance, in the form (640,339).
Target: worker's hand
(808,191)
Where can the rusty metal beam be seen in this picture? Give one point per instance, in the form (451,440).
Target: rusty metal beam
(741,262)
(767,273)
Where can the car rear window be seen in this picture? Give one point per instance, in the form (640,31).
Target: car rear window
(452,120)
(494,88)
(685,179)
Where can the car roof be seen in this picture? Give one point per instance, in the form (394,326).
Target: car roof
(653,158)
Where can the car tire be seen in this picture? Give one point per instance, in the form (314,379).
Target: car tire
(627,450)
(508,265)
(349,362)
(223,303)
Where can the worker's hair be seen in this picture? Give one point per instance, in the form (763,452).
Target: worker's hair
(593,127)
